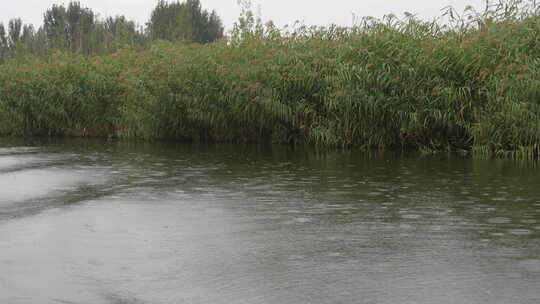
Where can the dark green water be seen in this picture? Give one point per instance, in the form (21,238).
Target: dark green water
(101,222)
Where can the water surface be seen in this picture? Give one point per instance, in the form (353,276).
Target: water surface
(106,222)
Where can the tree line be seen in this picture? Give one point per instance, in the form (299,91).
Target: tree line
(79,29)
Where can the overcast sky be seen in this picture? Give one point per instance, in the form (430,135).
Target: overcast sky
(282,12)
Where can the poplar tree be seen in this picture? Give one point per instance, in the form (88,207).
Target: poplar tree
(3,43)
(14,34)
(187,21)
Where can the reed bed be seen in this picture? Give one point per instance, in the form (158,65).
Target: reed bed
(472,86)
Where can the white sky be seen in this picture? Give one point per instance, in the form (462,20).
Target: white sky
(282,12)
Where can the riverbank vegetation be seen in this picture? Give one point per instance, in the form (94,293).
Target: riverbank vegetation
(471,85)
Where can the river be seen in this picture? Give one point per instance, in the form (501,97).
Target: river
(88,221)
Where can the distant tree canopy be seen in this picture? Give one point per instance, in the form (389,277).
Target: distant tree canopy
(79,29)
(185,21)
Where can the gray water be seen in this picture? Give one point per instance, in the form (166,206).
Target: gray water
(105,222)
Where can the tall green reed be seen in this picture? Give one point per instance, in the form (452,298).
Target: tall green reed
(470,85)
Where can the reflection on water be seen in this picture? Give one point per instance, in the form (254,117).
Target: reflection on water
(99,222)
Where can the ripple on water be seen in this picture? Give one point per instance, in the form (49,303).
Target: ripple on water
(411,216)
(405,226)
(17,150)
(520,231)
(30,184)
(12,162)
(8,161)
(436,228)
(499,220)
(302,220)
(532,265)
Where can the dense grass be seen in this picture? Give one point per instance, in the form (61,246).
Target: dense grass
(473,86)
